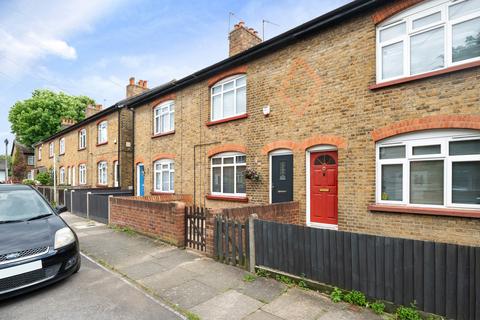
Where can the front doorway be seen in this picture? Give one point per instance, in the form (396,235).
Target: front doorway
(281,184)
(140,179)
(323,185)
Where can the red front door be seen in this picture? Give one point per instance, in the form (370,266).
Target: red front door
(324,187)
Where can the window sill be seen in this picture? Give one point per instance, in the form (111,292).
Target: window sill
(227,198)
(101,185)
(449,212)
(61,154)
(242,116)
(102,144)
(163,134)
(159,193)
(81,149)
(425,75)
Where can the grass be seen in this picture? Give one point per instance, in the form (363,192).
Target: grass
(127,230)
(249,277)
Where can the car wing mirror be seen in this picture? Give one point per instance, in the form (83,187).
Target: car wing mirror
(61,209)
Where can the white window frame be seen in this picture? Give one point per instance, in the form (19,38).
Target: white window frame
(73,176)
(115,173)
(170,170)
(102,173)
(221,93)
(422,10)
(82,174)
(167,110)
(102,132)
(222,156)
(40,153)
(62,146)
(51,149)
(425,138)
(31,160)
(82,139)
(62,175)
(69,175)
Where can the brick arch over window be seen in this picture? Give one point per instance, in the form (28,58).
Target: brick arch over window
(280,144)
(161,156)
(226,148)
(226,73)
(163,99)
(392,9)
(425,123)
(139,160)
(337,141)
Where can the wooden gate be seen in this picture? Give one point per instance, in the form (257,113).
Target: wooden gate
(231,241)
(195,218)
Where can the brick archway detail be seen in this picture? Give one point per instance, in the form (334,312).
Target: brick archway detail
(280,144)
(160,156)
(139,160)
(392,9)
(226,148)
(425,123)
(227,73)
(339,142)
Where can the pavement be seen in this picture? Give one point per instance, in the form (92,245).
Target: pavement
(92,293)
(197,285)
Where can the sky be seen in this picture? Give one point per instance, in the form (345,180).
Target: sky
(93,47)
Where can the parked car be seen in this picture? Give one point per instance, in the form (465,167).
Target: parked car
(37,247)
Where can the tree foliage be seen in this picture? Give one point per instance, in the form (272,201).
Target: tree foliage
(19,166)
(40,116)
(45,178)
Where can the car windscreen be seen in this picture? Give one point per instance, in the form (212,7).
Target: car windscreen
(21,205)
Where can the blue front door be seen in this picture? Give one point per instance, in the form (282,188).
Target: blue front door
(141,180)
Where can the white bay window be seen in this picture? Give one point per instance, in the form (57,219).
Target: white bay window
(431,36)
(436,168)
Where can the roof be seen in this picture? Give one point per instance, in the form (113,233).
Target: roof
(23,148)
(336,16)
(13,187)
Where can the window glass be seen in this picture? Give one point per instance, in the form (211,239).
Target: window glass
(241,179)
(463,8)
(466,182)
(228,174)
(425,21)
(423,150)
(229,104)
(392,32)
(164,172)
(466,40)
(426,182)
(392,60)
(216,185)
(21,205)
(241,159)
(396,152)
(229,99)
(427,51)
(392,182)
(217,107)
(228,179)
(460,148)
(241,100)
(165,180)
(228,160)
(217,161)
(241,81)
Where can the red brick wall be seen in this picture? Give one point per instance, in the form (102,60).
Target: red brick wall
(164,220)
(166,197)
(288,212)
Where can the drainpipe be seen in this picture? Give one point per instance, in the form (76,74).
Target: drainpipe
(195,166)
(134,184)
(118,154)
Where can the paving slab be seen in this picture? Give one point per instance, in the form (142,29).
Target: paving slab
(261,315)
(142,270)
(349,314)
(297,304)
(230,305)
(190,293)
(223,278)
(262,289)
(163,281)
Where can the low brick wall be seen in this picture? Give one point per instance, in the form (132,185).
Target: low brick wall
(287,212)
(164,220)
(187,198)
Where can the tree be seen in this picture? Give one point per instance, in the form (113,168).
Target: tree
(40,116)
(9,161)
(19,166)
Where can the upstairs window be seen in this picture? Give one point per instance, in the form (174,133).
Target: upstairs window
(229,98)
(62,146)
(102,135)
(164,172)
(228,174)
(102,173)
(164,118)
(431,36)
(436,168)
(51,149)
(82,139)
(31,160)
(62,175)
(40,153)
(82,174)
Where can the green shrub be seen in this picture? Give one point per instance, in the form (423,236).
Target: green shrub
(336,295)
(263,273)
(408,313)
(355,297)
(377,307)
(28,182)
(45,178)
(284,279)
(249,277)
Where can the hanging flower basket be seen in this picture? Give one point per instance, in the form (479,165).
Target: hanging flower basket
(252,174)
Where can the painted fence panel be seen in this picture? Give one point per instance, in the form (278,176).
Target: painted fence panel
(440,278)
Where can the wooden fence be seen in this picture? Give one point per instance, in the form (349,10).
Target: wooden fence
(440,278)
(195,232)
(231,241)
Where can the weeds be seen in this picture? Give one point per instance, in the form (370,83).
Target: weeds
(263,273)
(356,298)
(377,307)
(408,313)
(249,277)
(336,295)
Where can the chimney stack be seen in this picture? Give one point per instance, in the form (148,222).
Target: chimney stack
(135,89)
(242,38)
(67,123)
(92,109)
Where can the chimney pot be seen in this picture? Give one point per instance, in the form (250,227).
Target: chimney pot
(132,81)
(145,84)
(242,38)
(140,83)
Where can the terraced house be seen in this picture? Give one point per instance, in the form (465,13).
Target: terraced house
(96,152)
(368,116)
